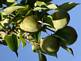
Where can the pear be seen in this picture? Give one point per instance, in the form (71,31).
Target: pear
(68,34)
(60,19)
(30,24)
(49,45)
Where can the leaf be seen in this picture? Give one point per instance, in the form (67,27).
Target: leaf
(52,6)
(19,41)
(1,16)
(68,50)
(42,57)
(39,8)
(39,3)
(67,6)
(48,21)
(37,36)
(23,41)
(51,29)
(11,41)
(3,22)
(11,9)
(63,44)
(1,27)
(11,1)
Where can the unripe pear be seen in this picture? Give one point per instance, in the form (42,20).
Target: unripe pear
(69,35)
(30,24)
(49,45)
(60,20)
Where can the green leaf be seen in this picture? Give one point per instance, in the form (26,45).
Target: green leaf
(68,49)
(19,41)
(42,57)
(52,6)
(37,36)
(48,21)
(39,3)
(3,22)
(11,41)
(11,1)
(39,8)
(0,16)
(67,6)
(1,27)
(23,41)
(11,9)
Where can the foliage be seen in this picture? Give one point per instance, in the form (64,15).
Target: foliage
(25,21)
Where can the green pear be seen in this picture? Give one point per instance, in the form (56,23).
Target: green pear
(60,19)
(29,24)
(68,35)
(49,45)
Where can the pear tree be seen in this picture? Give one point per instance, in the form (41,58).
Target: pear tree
(25,21)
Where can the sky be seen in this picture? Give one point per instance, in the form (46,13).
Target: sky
(26,54)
